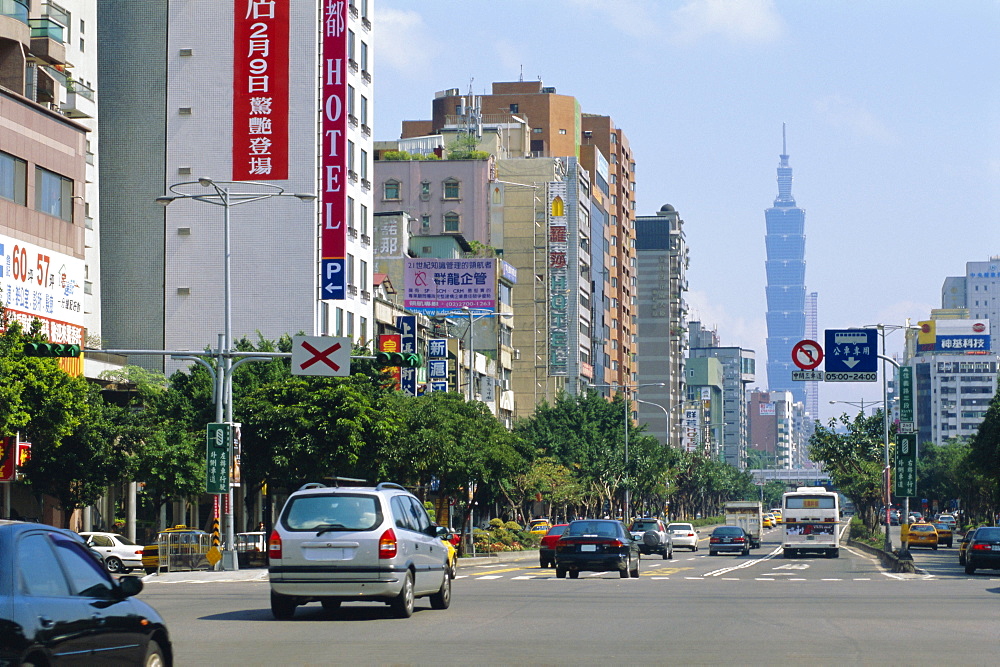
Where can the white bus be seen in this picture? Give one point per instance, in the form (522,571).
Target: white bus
(810,516)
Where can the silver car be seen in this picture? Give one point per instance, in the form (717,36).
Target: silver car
(683,535)
(120,554)
(344,543)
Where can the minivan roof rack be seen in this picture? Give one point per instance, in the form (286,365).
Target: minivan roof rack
(390,485)
(312,485)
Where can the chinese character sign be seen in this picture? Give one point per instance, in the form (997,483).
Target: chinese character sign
(260,90)
(906,464)
(333,156)
(439,285)
(558,279)
(217,452)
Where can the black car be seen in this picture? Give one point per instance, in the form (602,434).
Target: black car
(596,545)
(983,550)
(58,605)
(731,539)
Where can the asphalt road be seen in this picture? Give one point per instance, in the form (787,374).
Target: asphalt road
(692,610)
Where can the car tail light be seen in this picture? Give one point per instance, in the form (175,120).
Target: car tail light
(613,543)
(738,539)
(980,547)
(274,546)
(690,534)
(387,545)
(714,540)
(138,552)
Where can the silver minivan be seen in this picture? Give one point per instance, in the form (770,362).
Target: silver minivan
(356,543)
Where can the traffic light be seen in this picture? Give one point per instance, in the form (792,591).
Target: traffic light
(51,350)
(402,359)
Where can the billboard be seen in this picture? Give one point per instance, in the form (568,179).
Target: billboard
(260,90)
(959,336)
(557,263)
(437,285)
(36,282)
(767,409)
(333,156)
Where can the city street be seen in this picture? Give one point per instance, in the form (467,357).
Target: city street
(694,609)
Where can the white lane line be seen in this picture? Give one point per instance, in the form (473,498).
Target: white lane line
(490,576)
(764,579)
(831,579)
(797,579)
(523,577)
(729,578)
(862,579)
(659,578)
(694,578)
(747,563)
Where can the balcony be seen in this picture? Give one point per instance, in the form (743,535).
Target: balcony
(352,176)
(47,43)
(366,23)
(366,240)
(352,232)
(15,9)
(352,119)
(366,295)
(366,75)
(365,130)
(352,290)
(352,64)
(79,101)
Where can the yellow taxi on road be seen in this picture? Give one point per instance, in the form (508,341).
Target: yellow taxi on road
(922,535)
(769,521)
(777,515)
(946,534)
(539,526)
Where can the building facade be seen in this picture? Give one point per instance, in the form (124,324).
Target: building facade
(978,291)
(772,427)
(218,104)
(786,289)
(662,256)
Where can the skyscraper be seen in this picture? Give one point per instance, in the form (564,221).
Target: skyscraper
(786,289)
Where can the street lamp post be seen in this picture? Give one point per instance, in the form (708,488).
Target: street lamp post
(628,418)
(473,315)
(221,193)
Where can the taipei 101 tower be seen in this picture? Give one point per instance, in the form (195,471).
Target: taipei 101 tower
(786,288)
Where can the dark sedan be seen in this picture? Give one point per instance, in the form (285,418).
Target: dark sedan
(728,539)
(983,551)
(58,605)
(596,545)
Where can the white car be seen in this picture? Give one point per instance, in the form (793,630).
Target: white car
(121,555)
(683,535)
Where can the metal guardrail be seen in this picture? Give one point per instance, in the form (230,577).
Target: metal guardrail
(183,551)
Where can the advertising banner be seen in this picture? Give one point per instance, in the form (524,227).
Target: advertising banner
(218,440)
(407,325)
(558,279)
(333,157)
(690,431)
(260,90)
(906,465)
(767,410)
(391,343)
(960,336)
(433,286)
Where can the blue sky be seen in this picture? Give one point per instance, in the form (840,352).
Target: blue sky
(892,110)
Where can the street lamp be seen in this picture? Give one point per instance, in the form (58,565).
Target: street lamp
(860,404)
(666,414)
(473,315)
(221,193)
(628,419)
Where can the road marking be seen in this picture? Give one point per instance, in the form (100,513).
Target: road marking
(494,576)
(509,569)
(523,577)
(863,579)
(793,566)
(730,578)
(743,564)
(669,570)
(660,578)
(763,579)
(695,578)
(831,579)
(797,579)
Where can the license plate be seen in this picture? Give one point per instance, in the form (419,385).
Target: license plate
(588,547)
(995,547)
(810,537)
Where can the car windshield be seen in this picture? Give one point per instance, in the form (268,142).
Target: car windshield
(728,530)
(598,528)
(942,526)
(988,534)
(124,540)
(921,528)
(645,524)
(341,512)
(680,527)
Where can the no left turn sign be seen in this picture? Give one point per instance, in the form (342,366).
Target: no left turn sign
(807,354)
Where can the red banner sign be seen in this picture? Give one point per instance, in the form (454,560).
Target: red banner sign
(333,158)
(392,343)
(260,90)
(8,452)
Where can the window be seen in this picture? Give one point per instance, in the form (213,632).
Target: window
(451,222)
(350,44)
(363,269)
(350,271)
(425,223)
(364,220)
(514,108)
(364,110)
(364,329)
(350,212)
(350,100)
(350,155)
(536,130)
(425,188)
(13,178)
(53,194)
(391,190)
(364,56)
(364,164)
(339,324)
(561,131)
(451,189)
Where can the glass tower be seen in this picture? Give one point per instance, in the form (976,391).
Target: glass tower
(786,289)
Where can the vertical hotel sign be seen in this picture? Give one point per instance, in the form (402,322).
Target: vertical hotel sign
(260,90)
(558,267)
(333,160)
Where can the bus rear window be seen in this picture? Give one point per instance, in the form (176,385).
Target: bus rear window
(810,503)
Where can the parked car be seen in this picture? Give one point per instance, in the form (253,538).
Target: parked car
(58,604)
(653,537)
(729,539)
(189,548)
(547,547)
(983,551)
(922,535)
(945,533)
(356,543)
(121,555)
(963,545)
(683,535)
(596,545)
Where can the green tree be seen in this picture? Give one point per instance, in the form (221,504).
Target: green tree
(853,453)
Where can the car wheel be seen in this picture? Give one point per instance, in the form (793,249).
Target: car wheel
(282,606)
(668,555)
(114,564)
(969,569)
(560,573)
(694,548)
(442,599)
(834,553)
(746,552)
(574,574)
(330,605)
(711,553)
(402,605)
(961,559)
(634,572)
(154,655)
(934,547)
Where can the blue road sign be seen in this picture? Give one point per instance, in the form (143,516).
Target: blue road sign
(333,281)
(851,355)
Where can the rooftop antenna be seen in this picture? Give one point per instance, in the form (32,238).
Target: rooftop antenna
(784,150)
(521,77)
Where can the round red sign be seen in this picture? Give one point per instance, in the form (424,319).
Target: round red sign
(807,354)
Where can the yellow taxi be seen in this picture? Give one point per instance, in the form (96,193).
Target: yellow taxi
(769,520)
(922,535)
(777,515)
(539,526)
(946,534)
(190,547)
